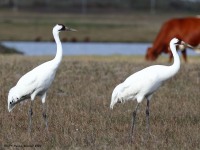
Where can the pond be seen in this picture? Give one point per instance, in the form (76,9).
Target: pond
(49,48)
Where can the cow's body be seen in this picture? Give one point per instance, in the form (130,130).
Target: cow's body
(186,29)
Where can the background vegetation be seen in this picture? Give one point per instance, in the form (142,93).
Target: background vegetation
(103,27)
(85,6)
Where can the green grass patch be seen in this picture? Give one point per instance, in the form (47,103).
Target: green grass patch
(113,27)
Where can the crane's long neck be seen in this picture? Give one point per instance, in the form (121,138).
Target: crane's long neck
(59,52)
(173,69)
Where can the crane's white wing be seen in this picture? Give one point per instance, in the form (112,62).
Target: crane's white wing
(140,84)
(39,79)
(27,83)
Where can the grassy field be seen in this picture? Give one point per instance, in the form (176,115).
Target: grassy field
(78,106)
(107,27)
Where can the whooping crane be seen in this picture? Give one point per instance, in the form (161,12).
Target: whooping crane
(144,83)
(37,81)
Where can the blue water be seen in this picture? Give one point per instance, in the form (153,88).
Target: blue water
(49,48)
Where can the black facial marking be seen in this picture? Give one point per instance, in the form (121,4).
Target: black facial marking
(179,42)
(63,27)
(10,102)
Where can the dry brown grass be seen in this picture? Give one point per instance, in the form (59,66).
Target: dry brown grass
(78,107)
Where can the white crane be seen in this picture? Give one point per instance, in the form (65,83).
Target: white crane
(37,81)
(144,83)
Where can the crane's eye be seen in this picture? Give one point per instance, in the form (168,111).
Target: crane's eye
(178,42)
(63,27)
(10,102)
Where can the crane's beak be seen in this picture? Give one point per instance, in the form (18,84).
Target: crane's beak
(70,29)
(187,45)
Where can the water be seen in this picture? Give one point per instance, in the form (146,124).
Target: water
(49,48)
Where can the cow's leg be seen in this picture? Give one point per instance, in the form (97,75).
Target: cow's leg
(170,57)
(184,54)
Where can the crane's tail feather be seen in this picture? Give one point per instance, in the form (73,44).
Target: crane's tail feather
(113,100)
(111,106)
(115,96)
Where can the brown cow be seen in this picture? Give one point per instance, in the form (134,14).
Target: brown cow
(187,29)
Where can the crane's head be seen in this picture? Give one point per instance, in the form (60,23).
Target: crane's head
(179,43)
(13,98)
(176,41)
(61,27)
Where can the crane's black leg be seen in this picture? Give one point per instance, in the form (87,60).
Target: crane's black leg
(30,116)
(133,122)
(44,114)
(147,117)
